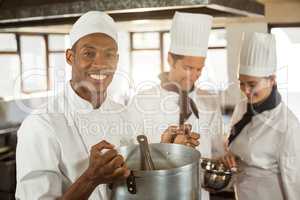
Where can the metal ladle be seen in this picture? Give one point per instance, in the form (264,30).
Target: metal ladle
(146,160)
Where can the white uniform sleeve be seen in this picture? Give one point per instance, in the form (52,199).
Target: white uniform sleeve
(289,162)
(37,158)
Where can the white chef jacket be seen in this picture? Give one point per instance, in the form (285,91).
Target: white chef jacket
(269,152)
(54,144)
(152,111)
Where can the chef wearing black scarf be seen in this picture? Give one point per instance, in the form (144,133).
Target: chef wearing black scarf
(264,143)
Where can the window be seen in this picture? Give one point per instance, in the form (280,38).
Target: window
(166,46)
(215,75)
(31,63)
(146,40)
(149,52)
(34,66)
(288,48)
(146,59)
(8,43)
(59,71)
(9,65)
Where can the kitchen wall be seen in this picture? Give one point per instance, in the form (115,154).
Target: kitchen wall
(283,11)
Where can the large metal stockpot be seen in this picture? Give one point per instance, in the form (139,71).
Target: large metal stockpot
(176,176)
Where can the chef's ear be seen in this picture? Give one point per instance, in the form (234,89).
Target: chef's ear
(170,60)
(70,55)
(273,79)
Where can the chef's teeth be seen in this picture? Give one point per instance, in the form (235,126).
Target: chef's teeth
(98,76)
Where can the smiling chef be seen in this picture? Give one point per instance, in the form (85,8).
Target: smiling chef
(64,153)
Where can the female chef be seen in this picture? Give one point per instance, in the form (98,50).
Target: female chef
(264,143)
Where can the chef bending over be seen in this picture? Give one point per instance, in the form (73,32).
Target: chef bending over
(158,111)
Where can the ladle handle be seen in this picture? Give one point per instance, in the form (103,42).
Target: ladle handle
(146,160)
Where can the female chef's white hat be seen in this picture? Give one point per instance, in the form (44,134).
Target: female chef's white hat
(258,55)
(93,22)
(190,34)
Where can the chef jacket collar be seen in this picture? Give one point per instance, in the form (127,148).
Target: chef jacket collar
(75,102)
(186,103)
(167,85)
(80,105)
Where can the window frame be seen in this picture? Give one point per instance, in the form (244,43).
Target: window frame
(282,25)
(47,56)
(160,49)
(218,47)
(46,59)
(10,52)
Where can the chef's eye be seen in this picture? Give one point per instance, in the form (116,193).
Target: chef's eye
(89,54)
(110,54)
(252,86)
(188,68)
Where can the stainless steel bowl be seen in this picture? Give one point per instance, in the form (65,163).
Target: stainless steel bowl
(216,175)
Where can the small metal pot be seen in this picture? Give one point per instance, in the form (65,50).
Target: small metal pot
(216,175)
(176,176)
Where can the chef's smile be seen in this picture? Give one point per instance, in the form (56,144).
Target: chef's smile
(99,77)
(94,59)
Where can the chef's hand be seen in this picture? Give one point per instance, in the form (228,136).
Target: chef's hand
(106,167)
(181,135)
(169,135)
(186,137)
(229,160)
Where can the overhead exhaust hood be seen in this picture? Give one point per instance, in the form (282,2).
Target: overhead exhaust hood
(33,12)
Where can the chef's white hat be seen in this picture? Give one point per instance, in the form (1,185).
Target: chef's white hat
(190,34)
(258,55)
(93,22)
